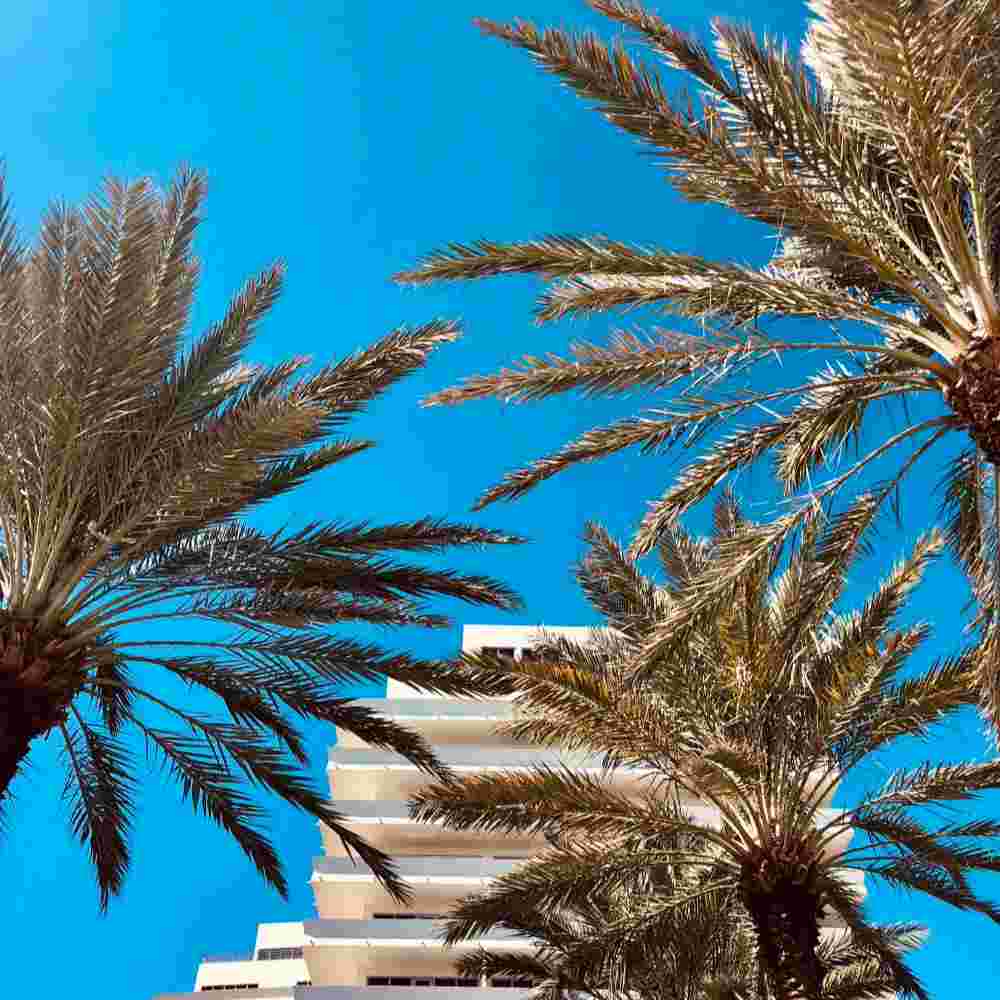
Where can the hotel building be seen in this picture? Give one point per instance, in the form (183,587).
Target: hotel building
(363,945)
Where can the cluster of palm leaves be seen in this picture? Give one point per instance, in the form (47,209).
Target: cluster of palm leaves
(650,931)
(128,464)
(773,700)
(874,159)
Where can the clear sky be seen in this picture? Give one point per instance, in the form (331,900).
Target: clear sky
(348,138)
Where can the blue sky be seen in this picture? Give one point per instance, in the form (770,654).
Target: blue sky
(347,139)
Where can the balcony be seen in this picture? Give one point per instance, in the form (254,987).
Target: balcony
(382,775)
(387,825)
(409,993)
(394,931)
(347,952)
(427,869)
(345,890)
(356,993)
(441,721)
(414,709)
(270,993)
(473,757)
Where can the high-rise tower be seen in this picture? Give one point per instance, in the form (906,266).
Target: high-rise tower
(363,945)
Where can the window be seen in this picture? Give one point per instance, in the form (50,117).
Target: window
(407,916)
(231,986)
(420,981)
(530,654)
(273,954)
(498,650)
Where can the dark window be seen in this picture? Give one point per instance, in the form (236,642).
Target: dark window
(420,981)
(531,654)
(406,916)
(273,954)
(498,650)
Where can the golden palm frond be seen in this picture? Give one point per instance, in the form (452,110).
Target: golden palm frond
(757,708)
(614,922)
(873,157)
(128,462)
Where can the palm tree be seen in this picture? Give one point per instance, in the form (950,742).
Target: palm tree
(594,935)
(773,699)
(874,159)
(605,929)
(126,468)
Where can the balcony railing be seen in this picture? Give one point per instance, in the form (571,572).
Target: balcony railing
(357,993)
(439,708)
(451,866)
(475,756)
(389,929)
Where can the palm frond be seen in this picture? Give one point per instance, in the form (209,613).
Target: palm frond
(961,506)
(100,789)
(535,800)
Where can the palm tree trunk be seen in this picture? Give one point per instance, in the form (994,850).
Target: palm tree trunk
(36,685)
(787,937)
(996,547)
(19,725)
(12,753)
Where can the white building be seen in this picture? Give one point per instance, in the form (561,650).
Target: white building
(363,945)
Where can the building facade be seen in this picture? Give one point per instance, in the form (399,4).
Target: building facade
(363,945)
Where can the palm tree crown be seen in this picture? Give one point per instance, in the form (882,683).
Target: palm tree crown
(772,699)
(874,158)
(605,928)
(126,467)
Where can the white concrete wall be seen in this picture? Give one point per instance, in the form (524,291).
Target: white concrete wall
(427,839)
(280,935)
(476,636)
(347,965)
(267,975)
(361,900)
